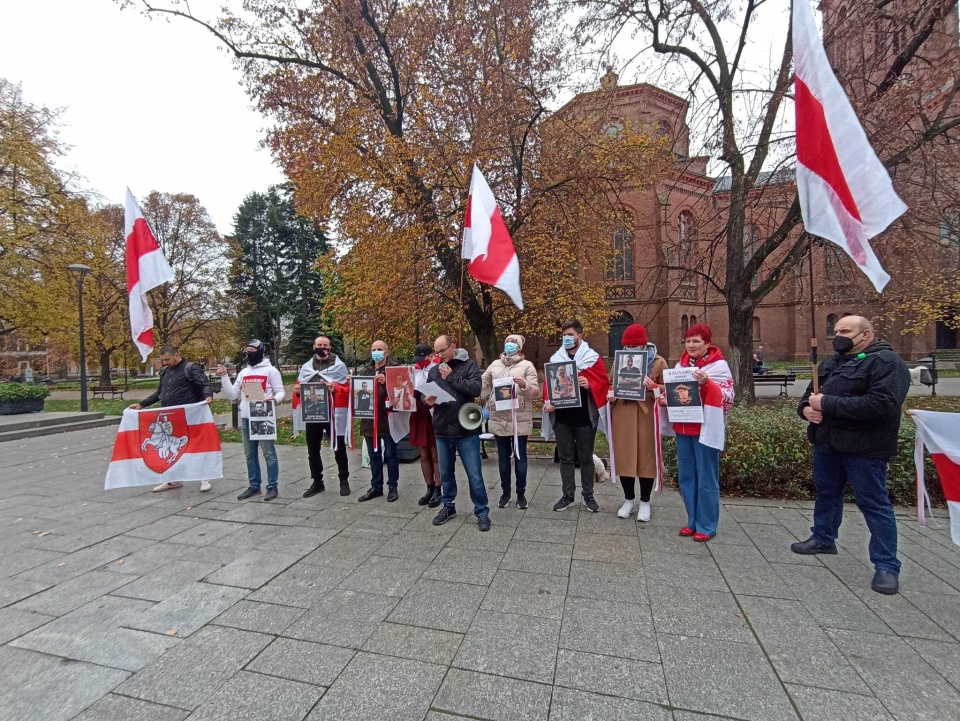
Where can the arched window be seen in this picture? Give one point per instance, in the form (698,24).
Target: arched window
(684,324)
(693,320)
(686,247)
(621,267)
(618,324)
(756,328)
(831,322)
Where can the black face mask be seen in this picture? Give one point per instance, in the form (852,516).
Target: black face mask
(255,357)
(842,344)
(322,352)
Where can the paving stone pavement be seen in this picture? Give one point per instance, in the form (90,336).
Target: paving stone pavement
(125,604)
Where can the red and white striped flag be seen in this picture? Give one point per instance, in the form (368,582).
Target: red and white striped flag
(146,269)
(487,243)
(940,433)
(845,193)
(165,445)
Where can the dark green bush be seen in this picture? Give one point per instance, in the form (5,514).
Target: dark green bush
(767,455)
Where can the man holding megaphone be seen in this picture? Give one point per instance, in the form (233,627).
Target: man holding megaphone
(457,428)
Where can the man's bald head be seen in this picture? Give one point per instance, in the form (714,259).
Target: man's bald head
(858,329)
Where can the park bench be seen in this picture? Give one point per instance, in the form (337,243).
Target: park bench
(797,370)
(103,391)
(775,379)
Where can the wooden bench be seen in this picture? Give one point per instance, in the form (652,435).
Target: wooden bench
(797,370)
(775,379)
(103,391)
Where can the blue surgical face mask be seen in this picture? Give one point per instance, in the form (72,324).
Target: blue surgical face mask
(510,348)
(378,356)
(569,341)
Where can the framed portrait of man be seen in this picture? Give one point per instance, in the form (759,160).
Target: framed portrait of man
(504,393)
(629,368)
(315,403)
(363,391)
(684,404)
(563,388)
(400,386)
(263,421)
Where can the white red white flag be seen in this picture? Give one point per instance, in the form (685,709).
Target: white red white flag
(845,193)
(146,269)
(487,243)
(163,445)
(940,433)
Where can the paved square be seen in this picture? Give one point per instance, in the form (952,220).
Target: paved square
(120,605)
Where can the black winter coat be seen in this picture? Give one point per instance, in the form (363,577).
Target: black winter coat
(464,384)
(862,398)
(179,385)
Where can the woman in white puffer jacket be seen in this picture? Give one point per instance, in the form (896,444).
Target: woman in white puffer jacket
(512,364)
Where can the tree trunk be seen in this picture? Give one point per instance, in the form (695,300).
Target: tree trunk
(740,351)
(104,354)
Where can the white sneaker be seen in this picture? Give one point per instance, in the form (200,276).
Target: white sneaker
(205,486)
(644,513)
(626,509)
(167,487)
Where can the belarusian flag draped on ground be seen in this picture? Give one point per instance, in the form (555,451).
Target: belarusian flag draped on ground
(845,193)
(165,445)
(146,269)
(940,433)
(487,243)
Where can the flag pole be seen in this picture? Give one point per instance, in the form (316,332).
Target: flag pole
(813,318)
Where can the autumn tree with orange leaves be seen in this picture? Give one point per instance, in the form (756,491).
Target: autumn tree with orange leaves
(380,109)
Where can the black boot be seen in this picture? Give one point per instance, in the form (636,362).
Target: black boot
(344,487)
(425,498)
(435,498)
(315,488)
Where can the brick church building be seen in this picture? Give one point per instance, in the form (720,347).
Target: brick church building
(678,224)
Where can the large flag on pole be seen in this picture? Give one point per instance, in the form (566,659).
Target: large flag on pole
(165,445)
(845,193)
(940,433)
(146,269)
(487,243)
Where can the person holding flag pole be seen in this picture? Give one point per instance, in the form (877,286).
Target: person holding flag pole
(511,428)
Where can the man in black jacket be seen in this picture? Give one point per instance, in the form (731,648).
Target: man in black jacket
(460,377)
(181,382)
(854,421)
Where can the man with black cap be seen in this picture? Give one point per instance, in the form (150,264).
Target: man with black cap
(257,371)
(421,428)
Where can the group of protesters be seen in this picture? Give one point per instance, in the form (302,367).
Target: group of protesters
(853,413)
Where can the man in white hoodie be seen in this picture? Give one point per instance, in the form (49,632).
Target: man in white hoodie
(258,370)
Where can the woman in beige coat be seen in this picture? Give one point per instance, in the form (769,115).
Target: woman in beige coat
(634,439)
(512,364)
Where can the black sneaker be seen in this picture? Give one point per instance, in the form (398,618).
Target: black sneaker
(344,488)
(446,513)
(425,498)
(392,494)
(249,493)
(811,547)
(435,499)
(591,503)
(564,503)
(504,500)
(521,501)
(483,523)
(315,488)
(271,494)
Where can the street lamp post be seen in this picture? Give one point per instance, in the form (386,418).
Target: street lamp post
(79,271)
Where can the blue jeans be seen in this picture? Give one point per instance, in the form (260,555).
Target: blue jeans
(698,473)
(253,461)
(469,450)
(386,449)
(868,476)
(504,452)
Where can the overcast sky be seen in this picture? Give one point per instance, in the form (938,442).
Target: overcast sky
(147,103)
(157,106)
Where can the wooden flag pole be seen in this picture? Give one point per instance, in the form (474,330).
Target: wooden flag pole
(813,319)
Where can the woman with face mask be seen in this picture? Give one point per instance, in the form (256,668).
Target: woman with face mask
(633,433)
(511,428)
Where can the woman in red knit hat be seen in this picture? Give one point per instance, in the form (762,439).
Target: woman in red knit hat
(699,444)
(633,433)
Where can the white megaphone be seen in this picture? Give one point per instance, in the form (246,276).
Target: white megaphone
(471,416)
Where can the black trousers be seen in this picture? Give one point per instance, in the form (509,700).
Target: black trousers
(315,433)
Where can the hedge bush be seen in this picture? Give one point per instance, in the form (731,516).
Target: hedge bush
(22,391)
(767,454)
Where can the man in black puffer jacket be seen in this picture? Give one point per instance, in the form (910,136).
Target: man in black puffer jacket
(181,383)
(460,377)
(854,421)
